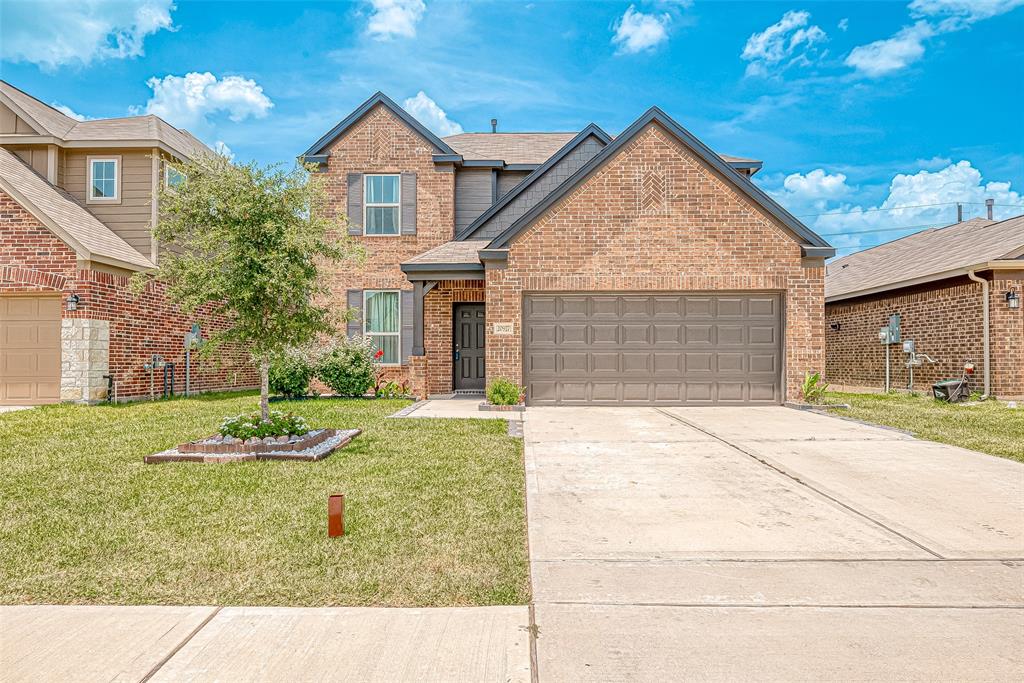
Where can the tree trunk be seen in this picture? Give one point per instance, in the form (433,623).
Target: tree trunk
(265,388)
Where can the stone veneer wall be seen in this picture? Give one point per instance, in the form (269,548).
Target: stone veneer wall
(85,359)
(656,218)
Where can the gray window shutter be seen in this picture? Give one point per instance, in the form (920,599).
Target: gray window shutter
(407,325)
(355,301)
(355,203)
(408,203)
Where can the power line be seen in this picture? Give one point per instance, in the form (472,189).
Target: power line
(898,208)
(869,232)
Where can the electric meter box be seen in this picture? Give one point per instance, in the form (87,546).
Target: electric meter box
(908,346)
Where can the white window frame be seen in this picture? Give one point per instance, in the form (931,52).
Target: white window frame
(167,175)
(397,204)
(90,162)
(397,334)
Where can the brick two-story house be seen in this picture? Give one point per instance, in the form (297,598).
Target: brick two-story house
(640,269)
(77,208)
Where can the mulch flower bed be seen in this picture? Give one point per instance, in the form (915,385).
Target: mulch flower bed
(313,445)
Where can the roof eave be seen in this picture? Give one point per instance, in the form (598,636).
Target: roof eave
(362,110)
(998,264)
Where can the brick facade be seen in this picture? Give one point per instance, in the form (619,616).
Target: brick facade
(113,331)
(381,143)
(655,218)
(945,322)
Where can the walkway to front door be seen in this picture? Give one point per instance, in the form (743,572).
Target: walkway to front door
(468,338)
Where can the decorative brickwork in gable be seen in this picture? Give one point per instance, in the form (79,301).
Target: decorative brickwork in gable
(610,234)
(945,322)
(382,143)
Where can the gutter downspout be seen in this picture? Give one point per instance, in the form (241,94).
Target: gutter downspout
(985,336)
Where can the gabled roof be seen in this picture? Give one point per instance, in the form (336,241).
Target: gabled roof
(537,174)
(62,214)
(926,256)
(149,130)
(318,147)
(811,243)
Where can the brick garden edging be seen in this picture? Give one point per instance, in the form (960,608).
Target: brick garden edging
(312,446)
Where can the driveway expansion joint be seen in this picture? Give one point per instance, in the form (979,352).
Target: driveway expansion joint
(798,480)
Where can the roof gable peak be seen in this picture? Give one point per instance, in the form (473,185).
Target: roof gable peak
(378,98)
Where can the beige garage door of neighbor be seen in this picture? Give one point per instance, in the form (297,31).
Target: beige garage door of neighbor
(653,349)
(29,350)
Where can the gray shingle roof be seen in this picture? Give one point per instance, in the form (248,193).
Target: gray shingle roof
(147,127)
(526,148)
(64,215)
(450,252)
(924,254)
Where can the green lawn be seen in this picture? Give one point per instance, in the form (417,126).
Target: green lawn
(435,511)
(989,426)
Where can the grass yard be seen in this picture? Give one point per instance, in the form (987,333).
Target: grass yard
(435,511)
(989,427)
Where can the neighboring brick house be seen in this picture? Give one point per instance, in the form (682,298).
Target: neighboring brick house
(644,269)
(925,278)
(76,215)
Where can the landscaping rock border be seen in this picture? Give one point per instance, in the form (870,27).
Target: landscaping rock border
(312,446)
(490,407)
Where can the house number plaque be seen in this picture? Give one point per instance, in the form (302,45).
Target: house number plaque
(502,328)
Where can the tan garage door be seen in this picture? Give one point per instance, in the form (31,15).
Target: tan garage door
(29,349)
(652,349)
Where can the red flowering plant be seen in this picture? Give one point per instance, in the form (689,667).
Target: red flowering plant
(378,372)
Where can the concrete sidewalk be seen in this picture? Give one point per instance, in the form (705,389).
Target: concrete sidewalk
(86,643)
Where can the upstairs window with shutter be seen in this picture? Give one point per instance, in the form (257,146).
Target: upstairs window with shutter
(382,205)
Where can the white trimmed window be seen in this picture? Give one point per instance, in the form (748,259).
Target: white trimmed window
(382,323)
(381,205)
(104,179)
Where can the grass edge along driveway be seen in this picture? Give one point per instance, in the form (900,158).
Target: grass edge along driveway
(989,426)
(435,511)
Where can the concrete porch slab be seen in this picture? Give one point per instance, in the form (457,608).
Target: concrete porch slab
(459,407)
(357,644)
(90,643)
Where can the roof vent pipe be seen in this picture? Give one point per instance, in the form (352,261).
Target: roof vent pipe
(984,336)
(959,212)
(494,125)
(988,205)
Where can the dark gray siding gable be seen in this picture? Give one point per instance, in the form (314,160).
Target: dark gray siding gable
(473,193)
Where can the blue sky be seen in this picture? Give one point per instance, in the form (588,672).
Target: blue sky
(855,108)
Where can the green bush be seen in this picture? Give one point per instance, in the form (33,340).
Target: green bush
(503,392)
(279,424)
(290,374)
(347,367)
(392,390)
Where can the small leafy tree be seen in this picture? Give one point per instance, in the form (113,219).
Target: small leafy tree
(247,242)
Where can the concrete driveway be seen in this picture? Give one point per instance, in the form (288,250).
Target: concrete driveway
(768,543)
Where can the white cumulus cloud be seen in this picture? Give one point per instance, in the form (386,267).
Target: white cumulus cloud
(891,54)
(426,111)
(61,32)
(914,201)
(638,32)
(188,101)
(933,18)
(68,111)
(792,40)
(390,18)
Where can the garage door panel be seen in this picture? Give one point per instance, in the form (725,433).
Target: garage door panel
(30,349)
(611,349)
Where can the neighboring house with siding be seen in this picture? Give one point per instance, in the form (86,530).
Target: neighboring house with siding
(77,209)
(641,269)
(925,278)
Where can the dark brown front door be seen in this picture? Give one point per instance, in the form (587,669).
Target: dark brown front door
(470,326)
